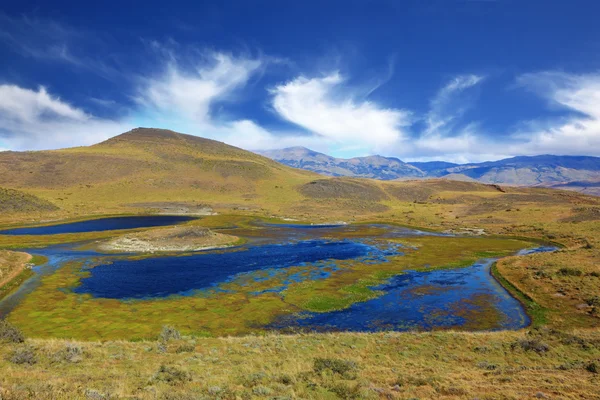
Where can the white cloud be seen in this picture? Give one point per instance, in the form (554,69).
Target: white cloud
(578,134)
(34,119)
(191,93)
(324,107)
(185,99)
(447,105)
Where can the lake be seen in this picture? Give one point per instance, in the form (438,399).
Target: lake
(279,257)
(101,224)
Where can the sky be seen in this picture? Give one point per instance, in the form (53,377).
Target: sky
(454,80)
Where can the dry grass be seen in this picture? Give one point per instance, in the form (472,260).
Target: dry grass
(447,365)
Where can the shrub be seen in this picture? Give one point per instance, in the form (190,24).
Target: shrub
(23,355)
(186,348)
(533,344)
(338,366)
(593,301)
(262,391)
(593,368)
(172,375)
(169,333)
(487,366)
(344,391)
(285,379)
(566,271)
(10,333)
(71,353)
(254,379)
(93,394)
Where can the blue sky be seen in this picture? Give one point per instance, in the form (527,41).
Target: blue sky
(457,80)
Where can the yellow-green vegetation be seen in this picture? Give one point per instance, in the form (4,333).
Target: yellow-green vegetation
(147,166)
(540,363)
(53,310)
(353,282)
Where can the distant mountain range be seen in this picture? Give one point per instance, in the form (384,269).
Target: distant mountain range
(579,173)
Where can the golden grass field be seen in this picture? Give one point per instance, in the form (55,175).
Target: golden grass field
(559,357)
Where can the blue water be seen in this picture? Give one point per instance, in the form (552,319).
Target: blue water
(102,224)
(420,301)
(423,301)
(413,300)
(164,276)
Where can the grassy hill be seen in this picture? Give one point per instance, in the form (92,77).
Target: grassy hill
(147,165)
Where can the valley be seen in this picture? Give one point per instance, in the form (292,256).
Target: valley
(248,260)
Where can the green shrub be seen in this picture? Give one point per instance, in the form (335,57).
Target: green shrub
(592,367)
(172,375)
(532,344)
(566,271)
(344,368)
(347,392)
(186,348)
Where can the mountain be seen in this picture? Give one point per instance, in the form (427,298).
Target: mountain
(530,171)
(377,167)
(432,167)
(578,173)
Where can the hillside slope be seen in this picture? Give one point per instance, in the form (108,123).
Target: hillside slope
(147,166)
(14,201)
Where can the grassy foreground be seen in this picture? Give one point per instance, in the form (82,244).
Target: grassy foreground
(447,365)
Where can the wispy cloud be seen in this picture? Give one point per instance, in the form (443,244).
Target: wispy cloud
(326,108)
(34,119)
(47,40)
(41,39)
(577,134)
(449,104)
(186,97)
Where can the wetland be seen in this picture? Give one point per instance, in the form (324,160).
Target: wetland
(283,277)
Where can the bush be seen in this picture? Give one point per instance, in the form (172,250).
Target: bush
(592,367)
(169,333)
(10,333)
(71,353)
(172,375)
(186,348)
(285,379)
(487,365)
(344,391)
(342,367)
(23,355)
(593,301)
(566,271)
(531,345)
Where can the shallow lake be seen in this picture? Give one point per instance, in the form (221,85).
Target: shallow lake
(287,255)
(101,224)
